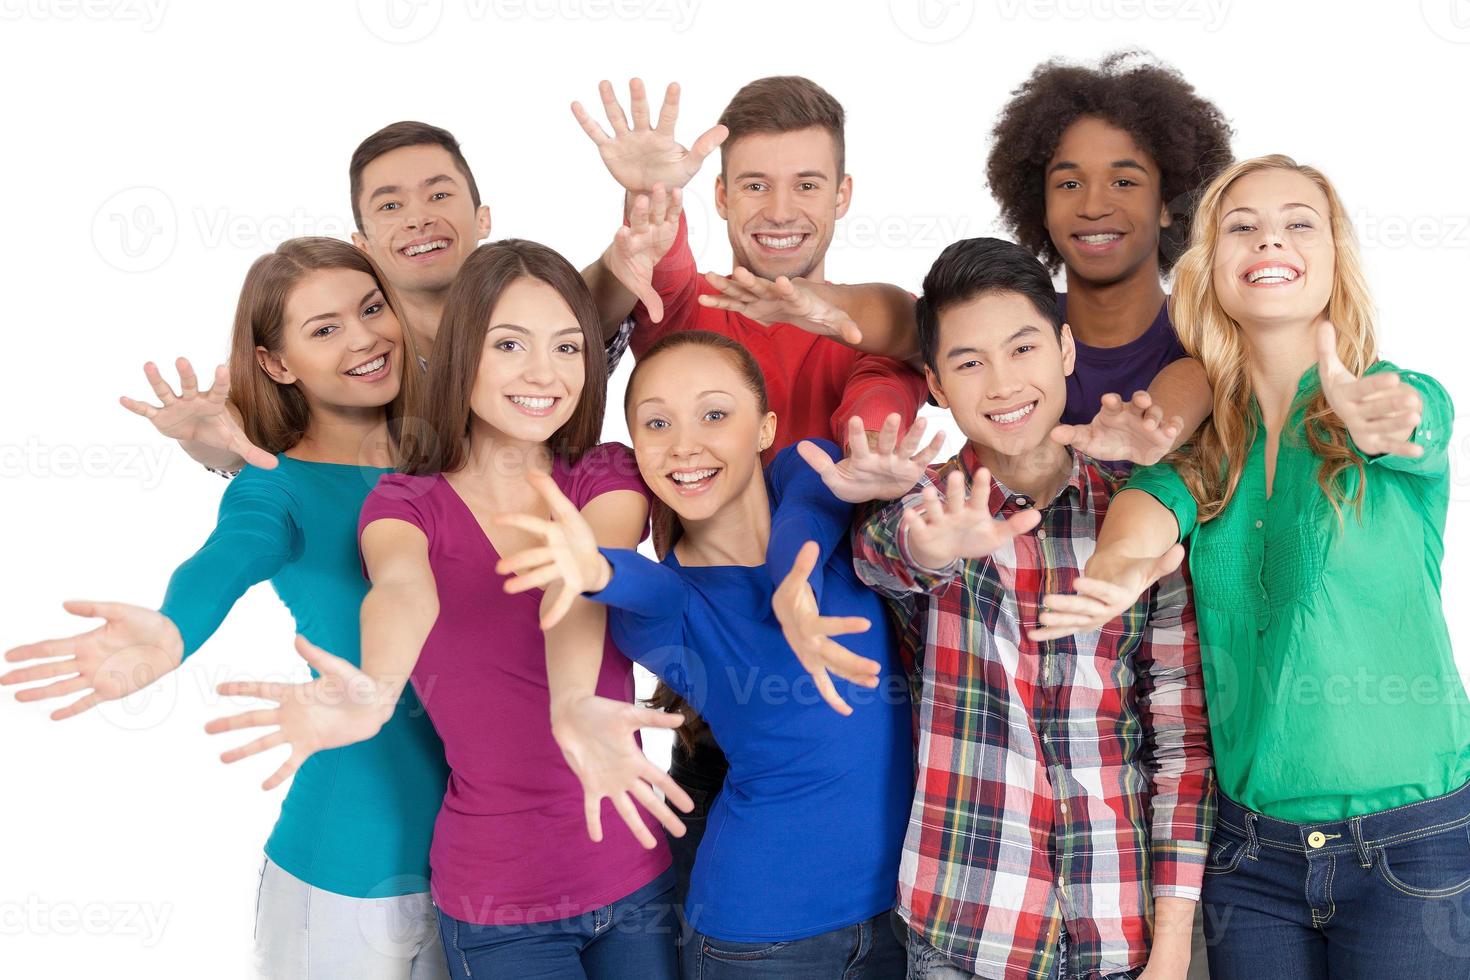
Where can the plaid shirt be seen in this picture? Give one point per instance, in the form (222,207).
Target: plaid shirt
(1060,785)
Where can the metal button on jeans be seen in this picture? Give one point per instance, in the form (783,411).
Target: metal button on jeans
(1316,839)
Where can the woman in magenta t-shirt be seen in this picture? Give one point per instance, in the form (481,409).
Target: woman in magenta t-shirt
(517,383)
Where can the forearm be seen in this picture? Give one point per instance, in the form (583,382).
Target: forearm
(614,301)
(574,650)
(1173,932)
(1137,526)
(396,621)
(883,312)
(1182,389)
(213,458)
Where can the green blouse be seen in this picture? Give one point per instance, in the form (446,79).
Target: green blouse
(1331,684)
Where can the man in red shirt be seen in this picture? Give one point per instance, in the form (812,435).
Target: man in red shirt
(782,187)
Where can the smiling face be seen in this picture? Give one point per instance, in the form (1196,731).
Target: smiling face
(531,370)
(697,430)
(1104,203)
(340,343)
(781,195)
(1002,372)
(1274,253)
(418,221)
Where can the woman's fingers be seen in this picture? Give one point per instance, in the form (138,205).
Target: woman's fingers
(560,606)
(645,717)
(144,409)
(592,810)
(845,626)
(55,668)
(664,783)
(54,690)
(256,718)
(660,811)
(77,707)
(262,744)
(629,813)
(538,578)
(160,387)
(266,690)
(521,561)
(828,691)
(287,770)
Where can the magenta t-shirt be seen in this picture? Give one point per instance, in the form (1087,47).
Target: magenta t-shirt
(510,842)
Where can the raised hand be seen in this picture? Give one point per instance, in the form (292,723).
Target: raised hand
(1111,584)
(793,301)
(939,531)
(642,155)
(884,472)
(810,633)
(132,649)
(569,556)
(341,707)
(1380,411)
(653,224)
(192,416)
(1134,431)
(597,737)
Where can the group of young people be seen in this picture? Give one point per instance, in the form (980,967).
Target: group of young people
(934,719)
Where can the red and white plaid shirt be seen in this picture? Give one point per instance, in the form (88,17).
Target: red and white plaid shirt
(1062,784)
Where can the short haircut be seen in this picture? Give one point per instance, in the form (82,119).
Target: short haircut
(974,267)
(784,104)
(396,136)
(1186,135)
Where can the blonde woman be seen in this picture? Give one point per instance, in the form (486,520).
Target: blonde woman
(1340,726)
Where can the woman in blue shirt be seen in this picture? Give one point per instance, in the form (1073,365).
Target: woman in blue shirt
(798,868)
(317,376)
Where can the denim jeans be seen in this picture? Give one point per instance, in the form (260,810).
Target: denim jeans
(1382,896)
(302,931)
(632,937)
(928,963)
(869,950)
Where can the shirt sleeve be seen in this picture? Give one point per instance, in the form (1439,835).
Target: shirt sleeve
(398,497)
(676,280)
(1171,687)
(876,388)
(880,551)
(805,510)
(255,535)
(618,346)
(646,604)
(1162,482)
(1436,421)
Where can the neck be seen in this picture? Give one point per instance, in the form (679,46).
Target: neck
(357,437)
(1113,314)
(1278,354)
(737,534)
(1039,473)
(496,462)
(422,311)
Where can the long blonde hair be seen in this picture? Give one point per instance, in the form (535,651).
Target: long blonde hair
(1212,463)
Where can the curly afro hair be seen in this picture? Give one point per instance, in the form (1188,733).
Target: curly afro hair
(1186,135)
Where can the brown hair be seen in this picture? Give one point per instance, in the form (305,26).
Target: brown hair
(666,527)
(437,441)
(1212,463)
(396,136)
(274,415)
(784,104)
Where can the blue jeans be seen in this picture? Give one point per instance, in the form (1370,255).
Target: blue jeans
(1382,896)
(632,937)
(928,963)
(869,950)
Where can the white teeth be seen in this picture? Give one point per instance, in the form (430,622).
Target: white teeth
(693,476)
(535,404)
(413,250)
(370,366)
(1018,414)
(770,241)
(1273,274)
(1110,236)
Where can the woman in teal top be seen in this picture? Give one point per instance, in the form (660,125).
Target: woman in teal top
(316,373)
(1314,503)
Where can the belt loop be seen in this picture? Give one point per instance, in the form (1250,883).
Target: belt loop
(1253,843)
(1356,823)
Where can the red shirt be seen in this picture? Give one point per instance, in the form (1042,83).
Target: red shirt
(813,384)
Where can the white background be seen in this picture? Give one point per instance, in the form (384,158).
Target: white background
(153,149)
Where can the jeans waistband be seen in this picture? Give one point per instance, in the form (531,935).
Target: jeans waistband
(1402,823)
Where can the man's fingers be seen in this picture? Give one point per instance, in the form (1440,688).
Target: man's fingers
(817,458)
(668,112)
(615,117)
(638,97)
(589,125)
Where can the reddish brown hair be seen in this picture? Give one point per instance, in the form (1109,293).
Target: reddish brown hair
(396,136)
(785,104)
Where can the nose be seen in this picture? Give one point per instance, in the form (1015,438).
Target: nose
(1004,381)
(1268,238)
(782,208)
(1095,202)
(538,369)
(359,337)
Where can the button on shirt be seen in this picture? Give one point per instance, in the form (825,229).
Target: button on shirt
(1332,686)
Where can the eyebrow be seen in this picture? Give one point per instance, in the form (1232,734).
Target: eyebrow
(709,391)
(803,173)
(395,189)
(332,316)
(1127,163)
(1022,332)
(1284,207)
(520,329)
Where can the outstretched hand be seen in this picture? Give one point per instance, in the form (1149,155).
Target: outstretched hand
(810,633)
(782,300)
(642,155)
(1134,431)
(941,531)
(1110,585)
(569,555)
(1380,410)
(192,416)
(883,472)
(653,225)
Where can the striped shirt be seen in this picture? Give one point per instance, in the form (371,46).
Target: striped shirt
(1061,785)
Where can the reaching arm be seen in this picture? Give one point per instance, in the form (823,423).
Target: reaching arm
(206,424)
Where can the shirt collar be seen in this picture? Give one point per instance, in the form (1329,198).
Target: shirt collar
(1077,491)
